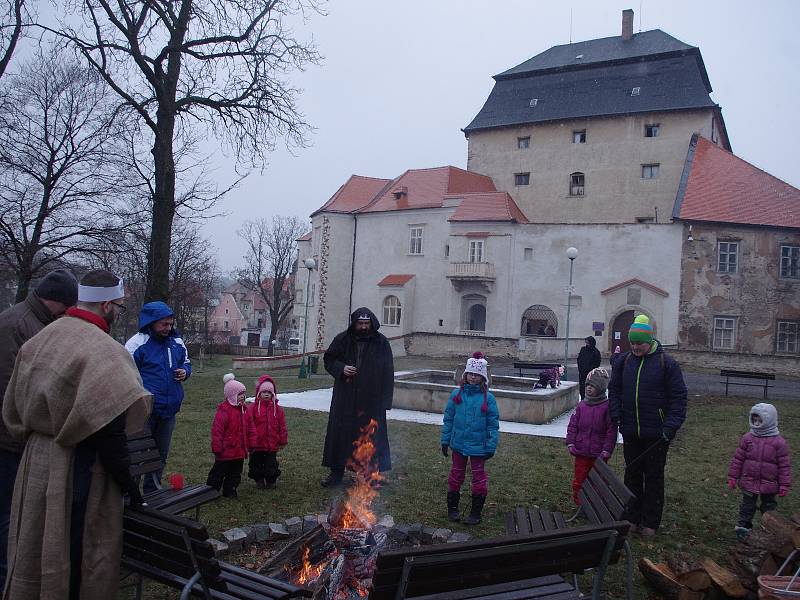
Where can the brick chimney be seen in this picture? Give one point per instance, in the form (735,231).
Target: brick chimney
(627,24)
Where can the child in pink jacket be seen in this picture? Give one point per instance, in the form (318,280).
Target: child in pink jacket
(267,434)
(591,432)
(229,439)
(762,466)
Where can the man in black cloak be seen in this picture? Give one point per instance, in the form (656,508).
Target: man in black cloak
(588,358)
(360,361)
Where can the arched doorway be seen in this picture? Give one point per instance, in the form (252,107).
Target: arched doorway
(619,331)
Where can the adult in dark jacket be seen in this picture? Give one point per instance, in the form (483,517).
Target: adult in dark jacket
(163,362)
(647,397)
(51,298)
(588,358)
(360,361)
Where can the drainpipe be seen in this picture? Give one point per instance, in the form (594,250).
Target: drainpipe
(352,268)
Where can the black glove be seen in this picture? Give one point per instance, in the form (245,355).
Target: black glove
(667,434)
(444,449)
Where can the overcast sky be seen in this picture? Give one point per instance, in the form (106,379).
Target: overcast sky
(400,79)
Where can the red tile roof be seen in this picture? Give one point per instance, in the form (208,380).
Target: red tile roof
(306,237)
(637,282)
(354,194)
(427,188)
(395,280)
(721,187)
(495,206)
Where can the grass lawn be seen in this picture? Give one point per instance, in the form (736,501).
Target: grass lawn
(699,515)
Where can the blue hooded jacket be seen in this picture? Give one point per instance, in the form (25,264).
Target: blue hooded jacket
(467,429)
(157,358)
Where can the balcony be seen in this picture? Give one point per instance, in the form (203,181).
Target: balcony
(481,273)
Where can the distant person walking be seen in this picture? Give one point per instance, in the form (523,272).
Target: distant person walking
(54,295)
(73,396)
(163,362)
(647,397)
(588,358)
(360,361)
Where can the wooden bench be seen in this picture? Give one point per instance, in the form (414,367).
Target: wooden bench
(145,459)
(534,366)
(764,377)
(508,568)
(175,551)
(604,500)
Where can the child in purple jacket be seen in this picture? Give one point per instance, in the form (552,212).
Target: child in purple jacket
(762,466)
(591,432)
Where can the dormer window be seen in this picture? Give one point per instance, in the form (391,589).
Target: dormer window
(400,192)
(533,102)
(635,91)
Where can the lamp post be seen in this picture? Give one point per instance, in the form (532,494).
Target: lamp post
(572,254)
(308,264)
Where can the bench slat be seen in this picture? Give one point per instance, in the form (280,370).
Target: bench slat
(747,374)
(292,590)
(537,587)
(548,522)
(614,482)
(610,501)
(600,509)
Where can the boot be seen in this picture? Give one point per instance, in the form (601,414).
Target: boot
(475,513)
(453,499)
(333,479)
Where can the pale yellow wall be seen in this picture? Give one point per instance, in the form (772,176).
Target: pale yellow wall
(611,160)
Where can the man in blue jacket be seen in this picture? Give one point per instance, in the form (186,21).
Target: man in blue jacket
(163,362)
(647,397)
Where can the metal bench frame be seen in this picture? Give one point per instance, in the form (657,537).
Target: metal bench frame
(765,377)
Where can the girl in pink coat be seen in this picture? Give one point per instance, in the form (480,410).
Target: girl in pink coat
(229,439)
(761,465)
(591,432)
(267,434)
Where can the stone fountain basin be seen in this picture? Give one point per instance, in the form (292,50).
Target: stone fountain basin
(428,390)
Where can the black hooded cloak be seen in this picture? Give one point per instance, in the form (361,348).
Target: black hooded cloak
(588,358)
(356,400)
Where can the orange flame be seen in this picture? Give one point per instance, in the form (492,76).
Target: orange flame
(357,513)
(308,572)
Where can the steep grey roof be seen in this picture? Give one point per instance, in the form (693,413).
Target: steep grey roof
(669,73)
(667,84)
(641,45)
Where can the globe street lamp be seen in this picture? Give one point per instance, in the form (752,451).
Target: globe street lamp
(572,254)
(308,264)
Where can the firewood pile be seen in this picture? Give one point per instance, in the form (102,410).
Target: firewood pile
(762,552)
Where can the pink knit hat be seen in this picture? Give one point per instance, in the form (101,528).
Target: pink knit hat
(232,389)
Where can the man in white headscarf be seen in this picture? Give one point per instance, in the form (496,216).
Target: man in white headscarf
(72,397)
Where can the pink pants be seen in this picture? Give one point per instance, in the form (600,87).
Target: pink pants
(458,472)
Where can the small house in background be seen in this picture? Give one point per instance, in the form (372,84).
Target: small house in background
(241,316)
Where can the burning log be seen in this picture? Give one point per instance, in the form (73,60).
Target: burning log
(291,556)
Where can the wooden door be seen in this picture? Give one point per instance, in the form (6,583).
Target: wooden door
(619,331)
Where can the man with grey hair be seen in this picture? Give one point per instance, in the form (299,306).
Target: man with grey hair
(54,294)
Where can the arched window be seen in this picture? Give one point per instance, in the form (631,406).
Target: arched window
(391,310)
(576,184)
(539,320)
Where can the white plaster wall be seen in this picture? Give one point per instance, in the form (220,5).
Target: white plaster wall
(382,249)
(611,160)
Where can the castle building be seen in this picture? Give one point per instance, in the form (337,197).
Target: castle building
(594,146)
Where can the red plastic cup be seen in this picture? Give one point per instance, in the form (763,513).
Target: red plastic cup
(176,481)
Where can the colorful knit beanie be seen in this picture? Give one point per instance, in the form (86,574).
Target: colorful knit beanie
(478,366)
(641,331)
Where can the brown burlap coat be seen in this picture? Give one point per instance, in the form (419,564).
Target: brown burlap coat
(69,381)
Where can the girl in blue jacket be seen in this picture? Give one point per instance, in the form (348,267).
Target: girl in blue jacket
(472,429)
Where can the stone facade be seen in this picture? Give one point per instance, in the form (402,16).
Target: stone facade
(611,161)
(735,316)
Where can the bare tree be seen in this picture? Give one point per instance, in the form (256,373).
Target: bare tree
(271,252)
(57,174)
(13,14)
(219,63)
